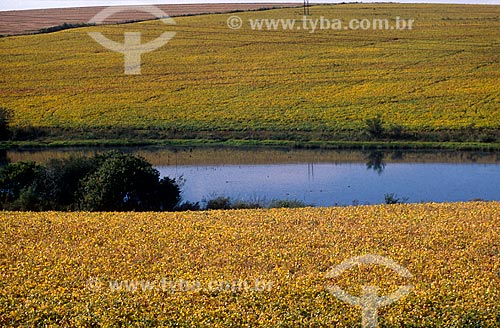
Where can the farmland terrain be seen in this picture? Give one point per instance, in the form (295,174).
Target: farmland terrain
(80,269)
(438,82)
(30,21)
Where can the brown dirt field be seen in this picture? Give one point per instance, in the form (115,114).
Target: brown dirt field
(27,21)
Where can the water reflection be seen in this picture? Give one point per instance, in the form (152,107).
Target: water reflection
(375,161)
(4,160)
(239,156)
(397,155)
(320,177)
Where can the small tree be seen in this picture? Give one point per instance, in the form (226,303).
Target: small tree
(219,203)
(396,131)
(5,117)
(392,198)
(64,177)
(127,183)
(109,182)
(375,127)
(18,179)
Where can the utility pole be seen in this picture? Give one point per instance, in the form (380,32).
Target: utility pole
(306,7)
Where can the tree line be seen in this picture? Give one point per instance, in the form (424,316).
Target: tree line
(113,181)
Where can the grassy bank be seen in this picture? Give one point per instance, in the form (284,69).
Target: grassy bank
(362,145)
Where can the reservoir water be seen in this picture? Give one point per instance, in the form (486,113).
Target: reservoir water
(316,177)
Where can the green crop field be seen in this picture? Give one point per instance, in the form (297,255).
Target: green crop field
(212,81)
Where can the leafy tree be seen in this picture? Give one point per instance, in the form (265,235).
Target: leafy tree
(375,127)
(125,183)
(188,206)
(5,116)
(109,182)
(18,178)
(4,160)
(64,177)
(289,203)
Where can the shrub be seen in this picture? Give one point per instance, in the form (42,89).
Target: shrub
(127,183)
(110,182)
(396,131)
(17,178)
(392,198)
(188,206)
(30,199)
(27,133)
(5,117)
(65,176)
(241,204)
(375,127)
(219,203)
(63,26)
(287,204)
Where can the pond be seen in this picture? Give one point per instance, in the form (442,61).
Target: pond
(316,177)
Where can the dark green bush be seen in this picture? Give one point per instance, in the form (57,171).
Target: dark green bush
(287,204)
(5,117)
(242,204)
(219,203)
(14,178)
(375,127)
(127,183)
(65,176)
(63,26)
(392,198)
(109,182)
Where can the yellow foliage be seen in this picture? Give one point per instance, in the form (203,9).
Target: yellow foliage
(55,268)
(443,74)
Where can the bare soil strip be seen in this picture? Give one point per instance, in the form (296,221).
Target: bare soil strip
(28,21)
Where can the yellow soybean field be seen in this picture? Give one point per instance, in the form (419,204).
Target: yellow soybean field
(250,267)
(444,74)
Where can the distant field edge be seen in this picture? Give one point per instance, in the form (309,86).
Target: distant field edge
(348,145)
(34,21)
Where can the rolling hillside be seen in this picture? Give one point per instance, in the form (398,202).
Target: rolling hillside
(442,77)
